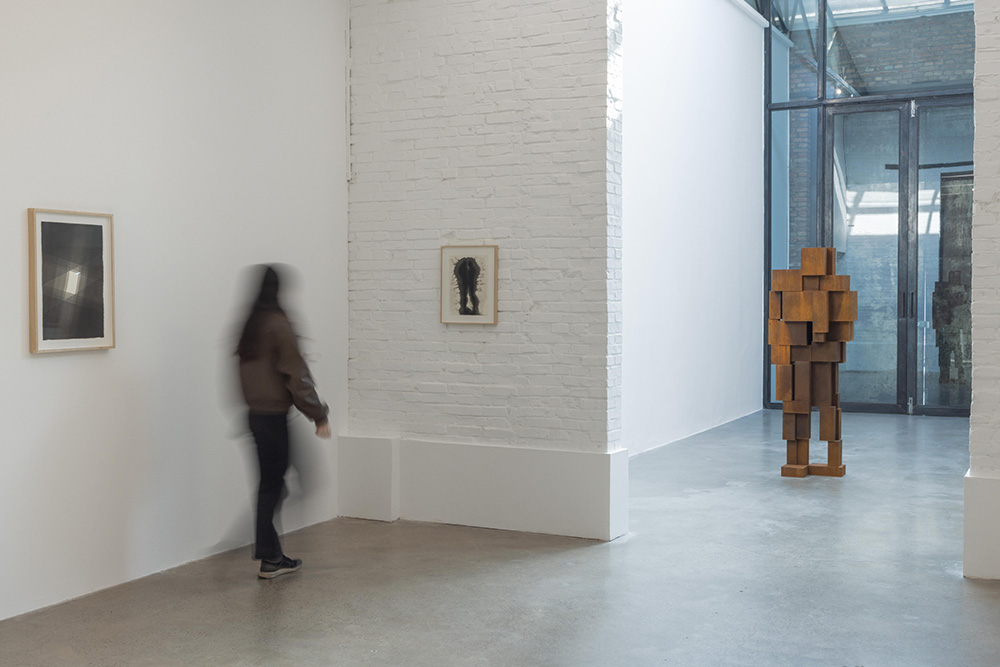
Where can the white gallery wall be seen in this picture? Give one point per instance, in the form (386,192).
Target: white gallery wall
(486,122)
(693,241)
(214,132)
(982,483)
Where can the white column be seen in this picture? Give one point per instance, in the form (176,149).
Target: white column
(982,483)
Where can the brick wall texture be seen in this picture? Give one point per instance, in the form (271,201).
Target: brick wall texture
(985,420)
(496,122)
(878,58)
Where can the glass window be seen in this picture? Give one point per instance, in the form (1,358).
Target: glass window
(795,44)
(881,47)
(794,178)
(794,142)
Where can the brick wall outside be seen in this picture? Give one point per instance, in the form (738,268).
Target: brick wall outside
(902,56)
(485,121)
(802,187)
(890,56)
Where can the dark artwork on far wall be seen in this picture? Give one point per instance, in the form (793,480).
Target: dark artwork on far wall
(469,284)
(72,281)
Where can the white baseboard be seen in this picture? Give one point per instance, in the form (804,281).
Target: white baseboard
(577,494)
(982,527)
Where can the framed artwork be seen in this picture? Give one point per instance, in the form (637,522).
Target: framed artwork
(469,284)
(71,282)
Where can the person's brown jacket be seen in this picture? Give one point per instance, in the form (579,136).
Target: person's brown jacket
(278,377)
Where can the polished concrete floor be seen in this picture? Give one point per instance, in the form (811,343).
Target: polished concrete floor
(726,564)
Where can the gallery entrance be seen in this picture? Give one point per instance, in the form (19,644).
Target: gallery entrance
(897,206)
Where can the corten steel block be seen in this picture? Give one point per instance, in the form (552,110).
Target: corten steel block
(828,352)
(821,470)
(829,423)
(803,427)
(814,261)
(783,382)
(820,311)
(810,282)
(787,333)
(821,390)
(797,306)
(841,332)
(786,280)
(827,469)
(798,452)
(788,426)
(774,305)
(843,306)
(798,407)
(781,354)
(819,336)
(798,459)
(801,353)
(835,283)
(831,261)
(802,381)
(835,453)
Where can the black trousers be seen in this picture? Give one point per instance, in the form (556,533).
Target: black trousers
(270,433)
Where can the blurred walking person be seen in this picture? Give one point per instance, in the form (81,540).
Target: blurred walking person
(274,377)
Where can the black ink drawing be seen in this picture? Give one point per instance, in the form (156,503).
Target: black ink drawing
(469,284)
(467,276)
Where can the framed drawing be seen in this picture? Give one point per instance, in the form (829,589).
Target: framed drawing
(469,284)
(71,282)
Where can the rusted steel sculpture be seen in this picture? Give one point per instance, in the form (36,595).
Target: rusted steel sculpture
(811,315)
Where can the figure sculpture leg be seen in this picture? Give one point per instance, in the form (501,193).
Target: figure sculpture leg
(822,380)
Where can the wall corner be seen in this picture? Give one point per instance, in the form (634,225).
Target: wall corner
(368,478)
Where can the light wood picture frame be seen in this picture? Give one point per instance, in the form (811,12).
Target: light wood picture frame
(469,284)
(71,281)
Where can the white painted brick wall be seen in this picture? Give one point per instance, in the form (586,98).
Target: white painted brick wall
(985,421)
(614,180)
(486,121)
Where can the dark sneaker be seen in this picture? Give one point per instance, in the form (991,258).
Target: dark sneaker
(286,565)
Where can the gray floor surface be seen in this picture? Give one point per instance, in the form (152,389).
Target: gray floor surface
(726,563)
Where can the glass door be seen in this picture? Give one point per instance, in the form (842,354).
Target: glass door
(865,204)
(898,208)
(942,381)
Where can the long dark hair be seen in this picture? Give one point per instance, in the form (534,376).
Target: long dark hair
(266,302)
